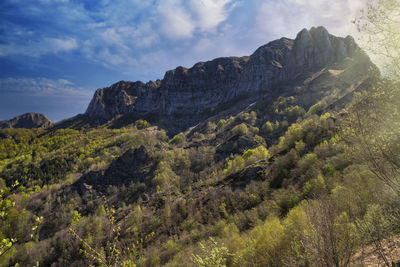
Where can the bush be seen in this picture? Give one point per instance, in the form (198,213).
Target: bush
(212,254)
(221,123)
(264,246)
(177,139)
(314,187)
(314,109)
(234,165)
(254,155)
(240,129)
(307,161)
(268,127)
(142,124)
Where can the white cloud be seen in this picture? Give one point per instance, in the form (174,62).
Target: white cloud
(176,22)
(36,48)
(61,45)
(276,18)
(210,13)
(182,20)
(42,87)
(146,38)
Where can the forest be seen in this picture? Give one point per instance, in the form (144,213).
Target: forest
(277,184)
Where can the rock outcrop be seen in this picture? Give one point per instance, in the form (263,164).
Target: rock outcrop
(27,120)
(191,92)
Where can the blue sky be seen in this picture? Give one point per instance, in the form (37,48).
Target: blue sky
(55,53)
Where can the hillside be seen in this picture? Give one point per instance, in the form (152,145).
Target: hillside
(252,161)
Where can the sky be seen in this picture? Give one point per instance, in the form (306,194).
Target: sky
(55,53)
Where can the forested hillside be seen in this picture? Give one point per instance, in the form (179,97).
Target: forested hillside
(306,175)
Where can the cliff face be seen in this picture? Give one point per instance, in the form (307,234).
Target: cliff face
(190,92)
(27,120)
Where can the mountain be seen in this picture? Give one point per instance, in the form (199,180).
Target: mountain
(185,97)
(281,158)
(27,120)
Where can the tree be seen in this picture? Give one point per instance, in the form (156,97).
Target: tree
(114,252)
(6,243)
(380,21)
(372,130)
(264,245)
(268,127)
(240,129)
(372,126)
(212,255)
(375,227)
(333,238)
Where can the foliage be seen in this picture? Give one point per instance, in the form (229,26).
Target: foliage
(314,197)
(6,243)
(372,128)
(314,109)
(380,22)
(142,124)
(240,129)
(268,127)
(177,139)
(113,252)
(250,156)
(212,255)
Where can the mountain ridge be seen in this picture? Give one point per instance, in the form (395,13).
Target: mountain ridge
(190,92)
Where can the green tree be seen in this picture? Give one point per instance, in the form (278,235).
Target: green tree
(240,129)
(268,127)
(114,253)
(6,243)
(211,254)
(264,246)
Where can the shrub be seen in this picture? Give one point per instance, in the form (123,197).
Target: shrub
(212,254)
(259,153)
(221,123)
(240,129)
(234,165)
(268,127)
(314,187)
(314,109)
(177,139)
(141,124)
(307,161)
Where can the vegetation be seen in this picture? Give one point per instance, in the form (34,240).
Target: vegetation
(271,186)
(313,197)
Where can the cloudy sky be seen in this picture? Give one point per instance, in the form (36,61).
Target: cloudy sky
(55,53)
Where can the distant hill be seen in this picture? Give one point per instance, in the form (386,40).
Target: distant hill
(27,120)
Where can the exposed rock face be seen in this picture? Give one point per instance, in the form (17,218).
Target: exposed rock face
(189,92)
(27,120)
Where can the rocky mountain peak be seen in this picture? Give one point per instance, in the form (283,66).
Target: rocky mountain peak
(27,120)
(317,48)
(191,92)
